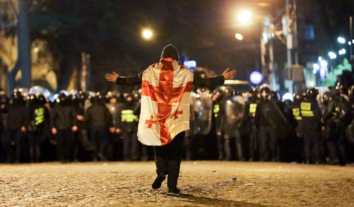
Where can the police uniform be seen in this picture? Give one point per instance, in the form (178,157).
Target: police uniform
(128,123)
(233,113)
(16,119)
(217,120)
(251,110)
(63,119)
(337,117)
(311,128)
(99,120)
(37,120)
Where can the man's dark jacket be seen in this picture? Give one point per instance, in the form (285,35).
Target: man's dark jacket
(98,115)
(63,117)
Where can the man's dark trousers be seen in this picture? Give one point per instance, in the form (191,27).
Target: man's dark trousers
(100,140)
(312,139)
(130,145)
(65,144)
(168,159)
(12,137)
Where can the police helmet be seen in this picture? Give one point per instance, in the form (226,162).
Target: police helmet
(274,95)
(312,93)
(32,99)
(264,91)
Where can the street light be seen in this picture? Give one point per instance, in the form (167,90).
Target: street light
(342,52)
(244,17)
(147,34)
(341,40)
(332,55)
(239,36)
(324,63)
(316,67)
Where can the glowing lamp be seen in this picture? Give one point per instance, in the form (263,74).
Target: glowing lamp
(256,77)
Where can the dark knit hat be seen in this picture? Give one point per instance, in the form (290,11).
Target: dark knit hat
(170,51)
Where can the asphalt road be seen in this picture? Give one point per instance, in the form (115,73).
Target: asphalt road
(202,184)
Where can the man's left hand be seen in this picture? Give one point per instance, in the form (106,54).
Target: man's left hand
(229,75)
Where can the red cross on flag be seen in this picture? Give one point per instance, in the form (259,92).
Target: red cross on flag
(165,102)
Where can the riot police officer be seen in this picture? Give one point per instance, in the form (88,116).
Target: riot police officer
(82,146)
(37,122)
(16,126)
(337,117)
(233,110)
(273,125)
(203,107)
(64,124)
(217,119)
(252,111)
(114,106)
(192,132)
(98,120)
(311,125)
(3,122)
(297,97)
(127,126)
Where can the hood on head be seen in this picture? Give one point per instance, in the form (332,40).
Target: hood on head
(170,51)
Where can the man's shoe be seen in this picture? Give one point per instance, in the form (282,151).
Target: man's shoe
(158,181)
(174,190)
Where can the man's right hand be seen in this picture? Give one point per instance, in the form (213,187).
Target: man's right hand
(229,75)
(118,131)
(80,117)
(54,131)
(112,77)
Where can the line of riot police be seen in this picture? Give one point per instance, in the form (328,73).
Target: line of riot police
(261,127)
(73,127)
(224,125)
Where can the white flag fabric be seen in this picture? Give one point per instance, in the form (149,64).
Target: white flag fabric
(165,102)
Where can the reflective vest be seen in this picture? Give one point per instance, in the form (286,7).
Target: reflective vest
(216,110)
(39,114)
(128,116)
(253,109)
(306,109)
(296,113)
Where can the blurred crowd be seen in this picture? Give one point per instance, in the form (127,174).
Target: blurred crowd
(225,124)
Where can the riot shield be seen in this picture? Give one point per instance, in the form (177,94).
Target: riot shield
(276,119)
(234,116)
(192,121)
(39,90)
(202,107)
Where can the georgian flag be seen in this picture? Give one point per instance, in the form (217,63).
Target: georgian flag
(165,102)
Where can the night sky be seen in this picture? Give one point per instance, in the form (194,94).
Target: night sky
(201,30)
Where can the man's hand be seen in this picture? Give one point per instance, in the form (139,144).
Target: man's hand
(74,128)
(23,129)
(229,75)
(118,130)
(54,131)
(111,77)
(112,129)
